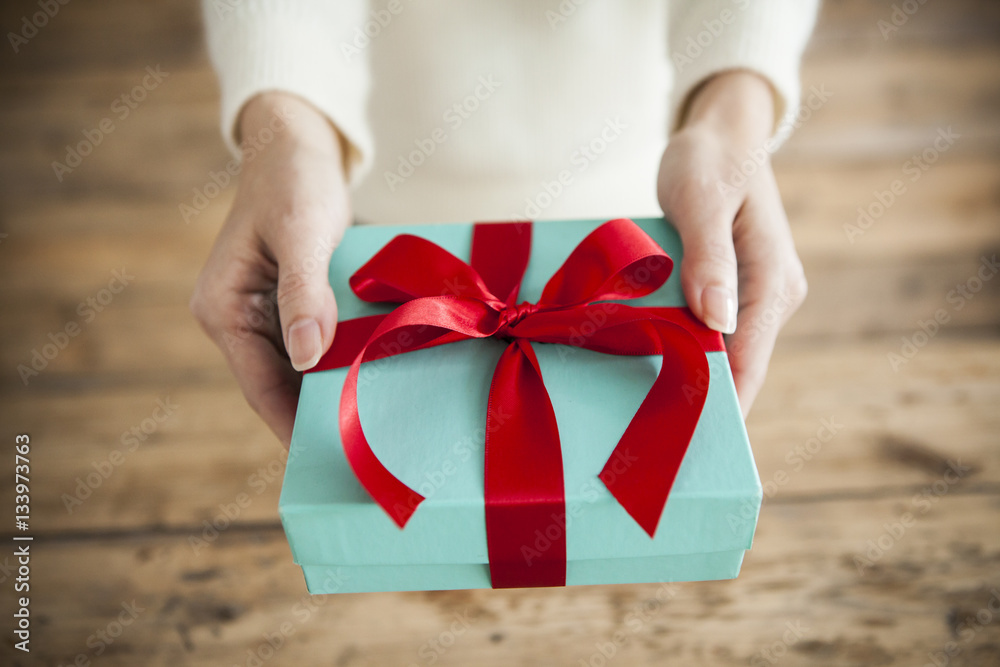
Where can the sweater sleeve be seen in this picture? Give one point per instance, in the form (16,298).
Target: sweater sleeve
(763,36)
(306,47)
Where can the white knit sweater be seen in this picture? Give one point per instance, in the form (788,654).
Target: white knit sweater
(461,110)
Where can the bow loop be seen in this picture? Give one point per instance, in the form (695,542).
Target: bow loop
(410,267)
(616,261)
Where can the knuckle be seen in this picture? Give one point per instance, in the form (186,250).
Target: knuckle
(202,306)
(260,397)
(712,255)
(304,225)
(294,287)
(796,286)
(717,250)
(299,211)
(255,401)
(752,373)
(253,315)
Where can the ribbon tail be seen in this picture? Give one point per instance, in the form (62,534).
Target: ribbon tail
(429,319)
(398,500)
(644,464)
(525,500)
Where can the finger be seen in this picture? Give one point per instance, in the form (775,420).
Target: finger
(708,268)
(245,327)
(772,286)
(306,306)
(750,350)
(269,384)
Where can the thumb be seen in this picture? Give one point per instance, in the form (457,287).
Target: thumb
(708,268)
(306,306)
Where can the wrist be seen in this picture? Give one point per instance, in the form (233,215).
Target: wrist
(287,120)
(737,106)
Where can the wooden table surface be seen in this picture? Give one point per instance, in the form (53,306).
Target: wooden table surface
(879,539)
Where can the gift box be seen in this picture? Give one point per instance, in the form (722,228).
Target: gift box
(576,503)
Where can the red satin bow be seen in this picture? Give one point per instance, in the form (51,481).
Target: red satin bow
(444,300)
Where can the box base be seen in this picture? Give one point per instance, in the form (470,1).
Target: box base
(323,579)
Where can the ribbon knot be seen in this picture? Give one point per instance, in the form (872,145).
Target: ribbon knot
(444,300)
(511,316)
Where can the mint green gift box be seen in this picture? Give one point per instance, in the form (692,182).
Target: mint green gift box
(424,415)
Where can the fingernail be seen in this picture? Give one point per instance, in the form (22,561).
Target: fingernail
(305,344)
(719,307)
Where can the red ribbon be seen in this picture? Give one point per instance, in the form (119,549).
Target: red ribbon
(444,300)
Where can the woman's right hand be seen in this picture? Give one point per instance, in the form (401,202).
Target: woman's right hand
(739,254)
(264,296)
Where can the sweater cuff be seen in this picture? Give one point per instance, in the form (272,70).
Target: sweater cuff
(766,37)
(295,47)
